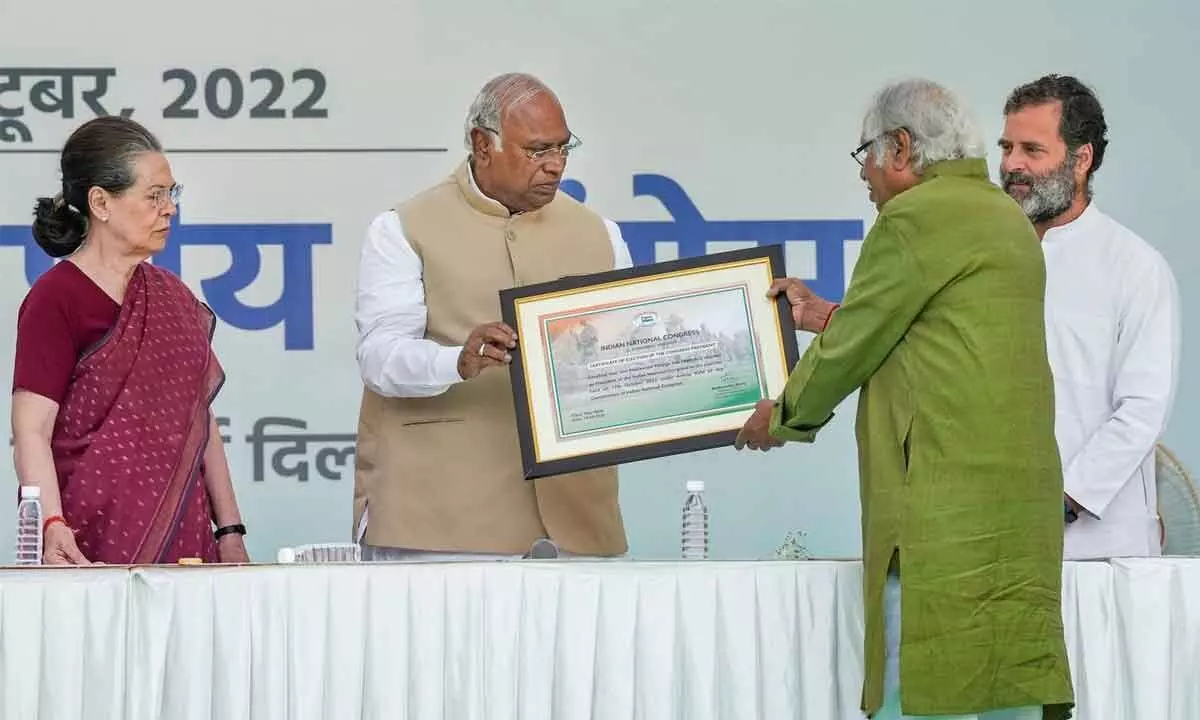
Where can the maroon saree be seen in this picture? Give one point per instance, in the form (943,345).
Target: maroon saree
(131,431)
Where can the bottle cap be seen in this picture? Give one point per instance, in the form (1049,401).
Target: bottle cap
(543,549)
(285,555)
(30,491)
(695,486)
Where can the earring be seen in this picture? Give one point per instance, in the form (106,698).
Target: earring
(104,219)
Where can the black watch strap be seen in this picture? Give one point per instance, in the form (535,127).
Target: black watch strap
(240,529)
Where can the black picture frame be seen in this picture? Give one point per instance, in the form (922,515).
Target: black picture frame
(533,469)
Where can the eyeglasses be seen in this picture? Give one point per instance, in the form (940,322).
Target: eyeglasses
(860,152)
(160,196)
(565,149)
(542,154)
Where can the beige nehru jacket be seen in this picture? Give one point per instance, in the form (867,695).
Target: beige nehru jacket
(444,472)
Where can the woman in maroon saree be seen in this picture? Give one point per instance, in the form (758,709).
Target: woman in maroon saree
(114,374)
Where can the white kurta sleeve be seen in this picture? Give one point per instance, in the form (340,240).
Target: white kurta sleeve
(1143,390)
(621,257)
(394,358)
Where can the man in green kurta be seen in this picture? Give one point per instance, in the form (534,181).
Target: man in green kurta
(941,330)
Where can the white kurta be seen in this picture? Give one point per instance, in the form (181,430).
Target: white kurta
(1112,323)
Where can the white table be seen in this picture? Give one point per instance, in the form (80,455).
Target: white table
(619,640)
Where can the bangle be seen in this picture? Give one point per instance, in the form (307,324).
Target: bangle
(239,528)
(51,520)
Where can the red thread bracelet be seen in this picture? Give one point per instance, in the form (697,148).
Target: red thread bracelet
(51,520)
(829,317)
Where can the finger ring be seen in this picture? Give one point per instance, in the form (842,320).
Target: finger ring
(482,346)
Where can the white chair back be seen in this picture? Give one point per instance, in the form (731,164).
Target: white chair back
(1178,504)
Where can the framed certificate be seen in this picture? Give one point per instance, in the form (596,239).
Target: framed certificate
(646,362)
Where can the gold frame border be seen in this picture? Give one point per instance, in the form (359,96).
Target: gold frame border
(645,279)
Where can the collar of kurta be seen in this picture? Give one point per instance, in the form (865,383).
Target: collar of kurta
(966,167)
(1078,226)
(475,197)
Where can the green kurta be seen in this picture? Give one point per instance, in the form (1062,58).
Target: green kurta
(942,329)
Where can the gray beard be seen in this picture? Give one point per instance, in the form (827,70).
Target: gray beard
(1050,195)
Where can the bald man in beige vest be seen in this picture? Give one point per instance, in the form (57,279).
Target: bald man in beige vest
(438,471)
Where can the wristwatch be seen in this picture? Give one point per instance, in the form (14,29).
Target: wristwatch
(239,528)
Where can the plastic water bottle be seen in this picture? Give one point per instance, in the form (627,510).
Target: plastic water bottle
(695,522)
(29,526)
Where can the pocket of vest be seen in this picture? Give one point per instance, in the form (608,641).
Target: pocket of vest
(433,421)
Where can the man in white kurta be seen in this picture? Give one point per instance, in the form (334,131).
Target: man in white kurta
(1112,321)
(437,471)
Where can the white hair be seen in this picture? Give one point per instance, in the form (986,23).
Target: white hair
(499,95)
(940,125)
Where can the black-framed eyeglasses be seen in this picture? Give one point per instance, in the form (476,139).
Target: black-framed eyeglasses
(860,152)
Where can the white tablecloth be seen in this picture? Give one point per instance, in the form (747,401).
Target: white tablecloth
(619,640)
(63,651)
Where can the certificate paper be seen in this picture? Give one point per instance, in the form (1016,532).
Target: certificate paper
(653,361)
(647,362)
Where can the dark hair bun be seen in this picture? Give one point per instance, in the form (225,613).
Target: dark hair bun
(57,227)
